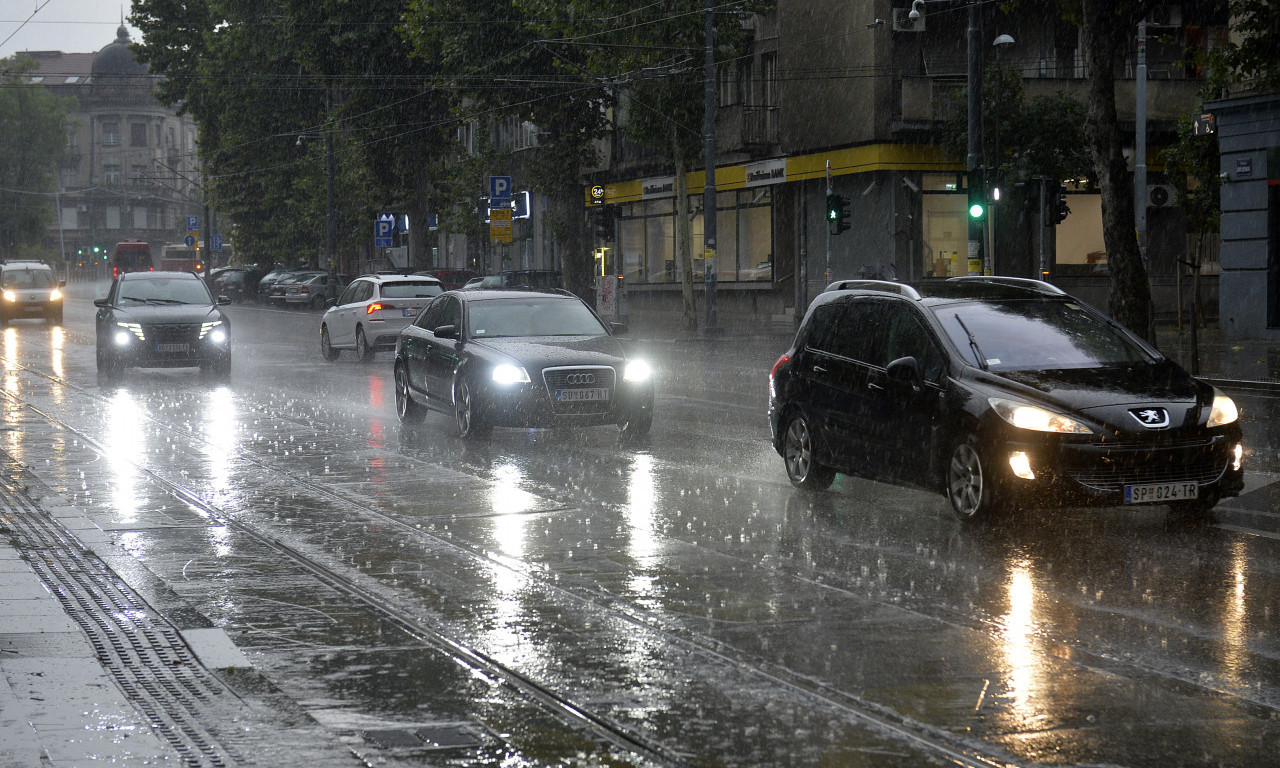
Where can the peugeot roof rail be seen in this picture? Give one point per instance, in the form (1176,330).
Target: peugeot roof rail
(1016,282)
(888,286)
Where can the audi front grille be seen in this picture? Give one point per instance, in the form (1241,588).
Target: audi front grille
(595,377)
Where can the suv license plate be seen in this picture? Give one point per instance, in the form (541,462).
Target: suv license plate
(581,395)
(171,347)
(1155,493)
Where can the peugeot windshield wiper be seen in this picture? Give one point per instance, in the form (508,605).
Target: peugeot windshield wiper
(973,344)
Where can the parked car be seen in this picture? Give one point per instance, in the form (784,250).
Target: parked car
(277,295)
(162,320)
(999,393)
(520,358)
(451,279)
(231,282)
(369,314)
(518,278)
(273,276)
(312,291)
(30,289)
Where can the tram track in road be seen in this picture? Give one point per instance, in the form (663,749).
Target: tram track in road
(941,745)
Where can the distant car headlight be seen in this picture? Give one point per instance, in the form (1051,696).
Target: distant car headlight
(1033,417)
(1224,410)
(510,374)
(637,370)
(134,328)
(10,296)
(55,295)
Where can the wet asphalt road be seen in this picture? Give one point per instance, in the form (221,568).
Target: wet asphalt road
(677,594)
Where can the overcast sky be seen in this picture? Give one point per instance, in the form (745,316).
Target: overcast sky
(70,26)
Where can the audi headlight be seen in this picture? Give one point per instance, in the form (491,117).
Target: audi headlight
(134,328)
(1224,410)
(55,294)
(510,374)
(1033,417)
(637,370)
(10,296)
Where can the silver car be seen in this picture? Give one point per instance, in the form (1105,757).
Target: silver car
(371,311)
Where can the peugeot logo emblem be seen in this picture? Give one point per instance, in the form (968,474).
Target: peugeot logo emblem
(1151,418)
(580,378)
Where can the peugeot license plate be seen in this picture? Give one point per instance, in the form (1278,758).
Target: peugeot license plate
(581,395)
(1155,493)
(173,347)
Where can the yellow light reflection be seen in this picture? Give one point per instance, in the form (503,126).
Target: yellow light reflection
(58,339)
(507,497)
(1023,674)
(11,349)
(125,438)
(1235,620)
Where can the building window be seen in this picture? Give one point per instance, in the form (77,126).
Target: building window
(137,134)
(467,137)
(111,134)
(110,174)
(140,217)
(138,175)
(168,137)
(526,135)
(729,84)
(68,175)
(113,217)
(191,141)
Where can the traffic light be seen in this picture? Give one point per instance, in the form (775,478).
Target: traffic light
(977,197)
(1059,202)
(837,214)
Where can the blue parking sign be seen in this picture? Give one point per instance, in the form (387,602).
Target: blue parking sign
(499,190)
(384,231)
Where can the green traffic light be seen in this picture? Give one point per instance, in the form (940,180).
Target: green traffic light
(976,210)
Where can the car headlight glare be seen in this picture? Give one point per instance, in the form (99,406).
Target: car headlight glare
(122,338)
(1224,410)
(218,336)
(636,370)
(1033,417)
(209,326)
(134,328)
(55,294)
(510,374)
(10,296)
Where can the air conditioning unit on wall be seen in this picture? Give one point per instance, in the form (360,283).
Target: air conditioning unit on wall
(902,21)
(1160,195)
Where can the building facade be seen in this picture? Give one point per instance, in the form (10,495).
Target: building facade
(132,172)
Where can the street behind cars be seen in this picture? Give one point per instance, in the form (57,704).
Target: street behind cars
(162,320)
(998,393)
(369,314)
(519,358)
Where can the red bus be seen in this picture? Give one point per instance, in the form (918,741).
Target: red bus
(131,256)
(180,258)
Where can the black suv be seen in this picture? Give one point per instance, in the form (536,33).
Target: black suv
(997,392)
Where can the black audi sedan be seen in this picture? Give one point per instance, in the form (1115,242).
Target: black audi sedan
(162,320)
(520,358)
(999,393)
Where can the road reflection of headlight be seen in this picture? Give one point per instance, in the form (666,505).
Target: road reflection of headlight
(510,374)
(637,370)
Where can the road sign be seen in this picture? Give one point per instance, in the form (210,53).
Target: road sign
(500,225)
(499,190)
(193,222)
(215,242)
(384,231)
(189,240)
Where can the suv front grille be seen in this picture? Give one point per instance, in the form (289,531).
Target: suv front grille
(168,333)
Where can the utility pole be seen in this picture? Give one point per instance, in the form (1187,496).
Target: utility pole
(1140,145)
(977,225)
(709,193)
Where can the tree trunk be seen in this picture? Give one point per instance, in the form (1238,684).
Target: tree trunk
(1103,33)
(684,235)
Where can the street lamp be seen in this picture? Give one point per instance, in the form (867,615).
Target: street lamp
(1000,43)
(331,225)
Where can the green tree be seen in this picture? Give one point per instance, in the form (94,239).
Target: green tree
(33,140)
(1251,59)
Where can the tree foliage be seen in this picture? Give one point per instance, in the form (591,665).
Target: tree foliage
(33,141)
(1252,60)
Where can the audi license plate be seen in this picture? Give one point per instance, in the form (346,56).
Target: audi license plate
(1154,493)
(581,395)
(174,347)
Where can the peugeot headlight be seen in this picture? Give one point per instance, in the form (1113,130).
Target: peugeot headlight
(10,296)
(134,328)
(209,326)
(636,370)
(1033,417)
(510,374)
(1224,410)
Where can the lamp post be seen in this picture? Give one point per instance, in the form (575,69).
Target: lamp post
(1000,43)
(331,224)
(977,224)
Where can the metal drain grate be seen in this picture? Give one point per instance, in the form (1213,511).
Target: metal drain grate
(429,737)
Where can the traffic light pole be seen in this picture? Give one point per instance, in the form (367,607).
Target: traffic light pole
(977,224)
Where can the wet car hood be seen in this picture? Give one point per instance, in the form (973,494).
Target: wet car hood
(167,313)
(537,352)
(1110,394)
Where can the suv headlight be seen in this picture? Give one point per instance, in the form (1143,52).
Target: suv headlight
(205,328)
(134,328)
(1033,417)
(1224,410)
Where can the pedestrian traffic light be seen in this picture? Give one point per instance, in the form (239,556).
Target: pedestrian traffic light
(1059,201)
(837,214)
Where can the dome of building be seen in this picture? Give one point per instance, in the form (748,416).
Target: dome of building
(116,59)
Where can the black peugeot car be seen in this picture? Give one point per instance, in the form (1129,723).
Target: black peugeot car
(162,320)
(999,393)
(531,358)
